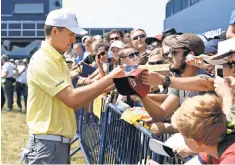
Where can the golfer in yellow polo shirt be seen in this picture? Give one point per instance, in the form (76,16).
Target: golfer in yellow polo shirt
(51,97)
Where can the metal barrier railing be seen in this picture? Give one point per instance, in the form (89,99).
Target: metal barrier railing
(111,140)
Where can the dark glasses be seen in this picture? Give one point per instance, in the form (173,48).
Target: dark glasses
(131,55)
(139,36)
(101,54)
(114,38)
(155,62)
(231,64)
(173,52)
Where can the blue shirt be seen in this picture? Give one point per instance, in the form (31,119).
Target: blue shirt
(232,19)
(79,59)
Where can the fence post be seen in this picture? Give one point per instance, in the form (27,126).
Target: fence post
(80,122)
(103,134)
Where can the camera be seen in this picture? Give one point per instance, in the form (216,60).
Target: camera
(219,71)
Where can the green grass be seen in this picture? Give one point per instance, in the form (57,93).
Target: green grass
(14,137)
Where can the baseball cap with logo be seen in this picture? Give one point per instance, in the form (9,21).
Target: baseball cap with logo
(131,84)
(64,18)
(187,40)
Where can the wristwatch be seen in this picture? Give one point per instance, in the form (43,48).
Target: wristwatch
(166,82)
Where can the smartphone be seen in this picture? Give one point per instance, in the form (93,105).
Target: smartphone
(219,71)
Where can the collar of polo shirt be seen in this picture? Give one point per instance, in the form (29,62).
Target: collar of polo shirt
(51,51)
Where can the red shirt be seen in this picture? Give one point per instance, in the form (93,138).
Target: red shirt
(228,157)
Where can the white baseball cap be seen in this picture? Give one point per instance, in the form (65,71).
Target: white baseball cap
(64,18)
(225,48)
(117,44)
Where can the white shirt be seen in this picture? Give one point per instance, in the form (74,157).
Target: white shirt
(9,68)
(23,77)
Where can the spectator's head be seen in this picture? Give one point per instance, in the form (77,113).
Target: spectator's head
(60,29)
(17,62)
(115,35)
(84,39)
(168,32)
(211,47)
(94,46)
(25,61)
(129,56)
(201,121)
(127,38)
(4,58)
(177,47)
(77,47)
(138,37)
(156,57)
(115,47)
(88,44)
(12,61)
(106,37)
(102,51)
(153,43)
(98,37)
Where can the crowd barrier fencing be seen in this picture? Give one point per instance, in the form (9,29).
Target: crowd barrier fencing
(111,140)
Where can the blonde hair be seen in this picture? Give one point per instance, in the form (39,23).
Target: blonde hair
(135,31)
(201,118)
(127,46)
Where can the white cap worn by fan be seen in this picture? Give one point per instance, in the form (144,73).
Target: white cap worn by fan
(64,18)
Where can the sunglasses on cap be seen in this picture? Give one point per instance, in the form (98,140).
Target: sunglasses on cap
(153,45)
(155,62)
(114,38)
(173,52)
(139,36)
(231,64)
(131,55)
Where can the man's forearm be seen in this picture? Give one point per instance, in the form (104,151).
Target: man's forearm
(86,94)
(154,110)
(227,104)
(192,83)
(101,70)
(95,73)
(158,98)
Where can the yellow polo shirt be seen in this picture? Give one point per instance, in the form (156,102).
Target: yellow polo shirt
(47,75)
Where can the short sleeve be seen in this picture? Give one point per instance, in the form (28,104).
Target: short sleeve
(5,67)
(48,76)
(172,91)
(232,19)
(231,115)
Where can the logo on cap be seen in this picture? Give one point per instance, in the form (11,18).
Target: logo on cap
(76,20)
(132,81)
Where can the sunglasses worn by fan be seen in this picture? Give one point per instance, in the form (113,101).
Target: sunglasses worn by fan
(174,52)
(131,55)
(139,36)
(114,39)
(101,54)
(155,62)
